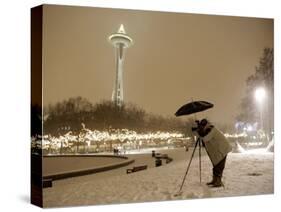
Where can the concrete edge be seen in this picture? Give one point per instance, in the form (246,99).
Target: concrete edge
(86,155)
(76,173)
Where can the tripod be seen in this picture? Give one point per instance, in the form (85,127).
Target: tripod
(198,143)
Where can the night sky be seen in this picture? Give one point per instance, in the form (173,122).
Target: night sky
(176,57)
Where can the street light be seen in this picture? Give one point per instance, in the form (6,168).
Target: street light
(260,94)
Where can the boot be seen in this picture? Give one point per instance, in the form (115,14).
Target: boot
(211,182)
(217,182)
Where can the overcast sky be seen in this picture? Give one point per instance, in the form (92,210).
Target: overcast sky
(176,57)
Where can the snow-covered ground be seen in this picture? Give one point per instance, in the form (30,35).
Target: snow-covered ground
(248,173)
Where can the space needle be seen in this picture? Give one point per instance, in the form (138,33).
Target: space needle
(120,40)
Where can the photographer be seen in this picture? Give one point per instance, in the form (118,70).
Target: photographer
(217,147)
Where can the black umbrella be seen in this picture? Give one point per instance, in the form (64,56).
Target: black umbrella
(193,107)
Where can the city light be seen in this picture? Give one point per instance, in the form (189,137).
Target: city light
(260,94)
(122,136)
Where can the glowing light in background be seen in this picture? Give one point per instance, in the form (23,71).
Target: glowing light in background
(260,94)
(123,136)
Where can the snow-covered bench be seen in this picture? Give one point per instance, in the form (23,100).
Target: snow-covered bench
(168,160)
(161,156)
(136,169)
(47,183)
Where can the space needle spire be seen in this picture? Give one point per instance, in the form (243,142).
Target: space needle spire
(120,40)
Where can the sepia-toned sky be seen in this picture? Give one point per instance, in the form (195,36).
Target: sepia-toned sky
(176,57)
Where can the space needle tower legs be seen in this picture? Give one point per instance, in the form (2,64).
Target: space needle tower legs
(120,40)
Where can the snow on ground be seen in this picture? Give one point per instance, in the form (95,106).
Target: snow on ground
(249,173)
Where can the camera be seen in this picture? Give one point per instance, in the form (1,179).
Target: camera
(197,127)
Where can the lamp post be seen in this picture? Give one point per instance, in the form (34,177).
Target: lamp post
(260,95)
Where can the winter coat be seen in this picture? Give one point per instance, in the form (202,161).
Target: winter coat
(216,145)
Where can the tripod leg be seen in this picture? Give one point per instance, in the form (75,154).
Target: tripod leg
(189,164)
(200,159)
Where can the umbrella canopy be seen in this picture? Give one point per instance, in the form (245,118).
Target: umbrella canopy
(193,107)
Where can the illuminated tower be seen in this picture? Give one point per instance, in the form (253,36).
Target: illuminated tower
(120,41)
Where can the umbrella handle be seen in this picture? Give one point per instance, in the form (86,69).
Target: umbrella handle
(193,113)
(200,159)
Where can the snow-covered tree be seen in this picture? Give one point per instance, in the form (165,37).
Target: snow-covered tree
(263,77)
